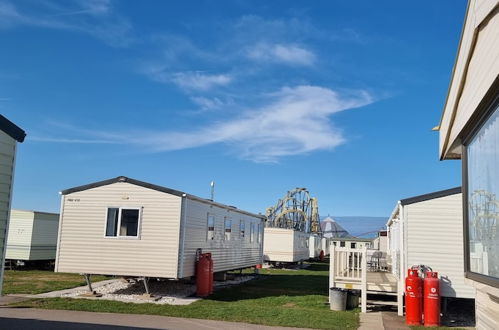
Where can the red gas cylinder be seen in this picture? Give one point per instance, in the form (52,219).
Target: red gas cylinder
(413,298)
(431,300)
(211,272)
(203,275)
(321,255)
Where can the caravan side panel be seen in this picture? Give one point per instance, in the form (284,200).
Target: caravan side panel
(20,233)
(285,245)
(83,247)
(435,238)
(7,156)
(44,238)
(230,250)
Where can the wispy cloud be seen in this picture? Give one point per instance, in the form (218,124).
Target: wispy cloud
(187,80)
(291,121)
(279,53)
(210,103)
(92,17)
(200,81)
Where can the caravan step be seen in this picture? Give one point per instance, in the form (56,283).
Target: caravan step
(384,293)
(381,302)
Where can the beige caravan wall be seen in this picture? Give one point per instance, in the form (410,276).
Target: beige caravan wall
(7,159)
(19,238)
(238,252)
(434,230)
(44,237)
(285,245)
(83,247)
(476,68)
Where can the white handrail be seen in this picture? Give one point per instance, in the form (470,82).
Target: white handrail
(349,265)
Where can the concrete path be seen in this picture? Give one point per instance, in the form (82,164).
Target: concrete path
(12,299)
(27,318)
(382,321)
(391,321)
(371,321)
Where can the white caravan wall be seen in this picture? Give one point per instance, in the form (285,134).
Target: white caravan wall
(434,230)
(238,252)
(83,247)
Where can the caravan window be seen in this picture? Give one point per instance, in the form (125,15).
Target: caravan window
(242,227)
(482,200)
(228,228)
(122,222)
(210,228)
(260,233)
(252,232)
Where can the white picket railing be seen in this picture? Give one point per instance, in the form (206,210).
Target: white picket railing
(349,266)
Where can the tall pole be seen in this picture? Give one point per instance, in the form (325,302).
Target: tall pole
(212,184)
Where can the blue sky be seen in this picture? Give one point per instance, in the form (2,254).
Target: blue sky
(336,96)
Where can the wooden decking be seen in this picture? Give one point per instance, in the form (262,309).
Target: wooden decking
(348,269)
(381,281)
(376,281)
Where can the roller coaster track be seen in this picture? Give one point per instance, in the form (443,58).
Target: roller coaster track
(297,210)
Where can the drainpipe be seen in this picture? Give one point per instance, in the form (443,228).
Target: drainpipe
(401,285)
(183,221)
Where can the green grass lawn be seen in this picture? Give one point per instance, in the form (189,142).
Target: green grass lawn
(39,281)
(294,298)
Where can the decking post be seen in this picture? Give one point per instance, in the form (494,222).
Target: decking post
(146,284)
(400,300)
(364,280)
(332,259)
(89,283)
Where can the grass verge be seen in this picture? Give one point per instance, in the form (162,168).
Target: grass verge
(40,281)
(293,298)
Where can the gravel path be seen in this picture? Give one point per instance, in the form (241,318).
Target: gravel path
(163,292)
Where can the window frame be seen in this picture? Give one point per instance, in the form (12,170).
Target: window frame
(208,216)
(252,232)
(227,220)
(259,234)
(488,106)
(242,229)
(120,208)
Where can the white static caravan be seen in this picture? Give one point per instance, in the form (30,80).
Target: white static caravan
(10,135)
(428,230)
(468,131)
(380,243)
(32,235)
(352,242)
(285,245)
(127,227)
(325,245)
(314,245)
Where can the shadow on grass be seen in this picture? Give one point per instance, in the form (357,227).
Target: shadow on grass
(313,280)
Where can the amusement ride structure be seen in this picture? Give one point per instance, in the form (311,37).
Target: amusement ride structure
(297,210)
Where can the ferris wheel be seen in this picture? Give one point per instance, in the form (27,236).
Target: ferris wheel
(297,210)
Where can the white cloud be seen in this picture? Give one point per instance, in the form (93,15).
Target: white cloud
(187,80)
(207,103)
(293,121)
(288,54)
(92,17)
(195,80)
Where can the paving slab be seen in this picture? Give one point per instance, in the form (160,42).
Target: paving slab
(371,321)
(392,321)
(12,299)
(31,318)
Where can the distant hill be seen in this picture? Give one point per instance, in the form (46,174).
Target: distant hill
(357,225)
